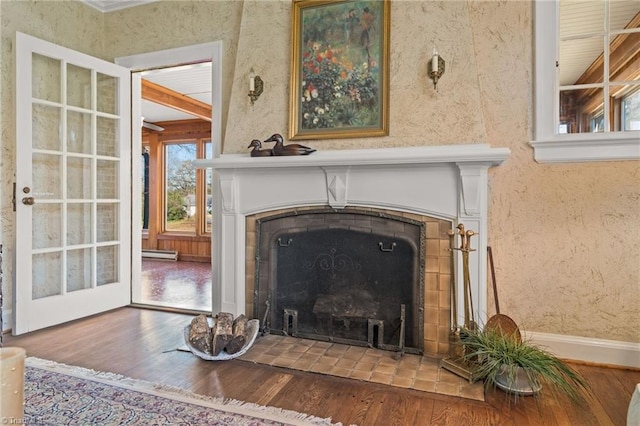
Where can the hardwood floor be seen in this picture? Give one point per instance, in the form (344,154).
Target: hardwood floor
(142,344)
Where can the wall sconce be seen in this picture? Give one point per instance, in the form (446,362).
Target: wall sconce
(436,68)
(255,87)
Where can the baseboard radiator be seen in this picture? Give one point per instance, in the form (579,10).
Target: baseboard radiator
(160,254)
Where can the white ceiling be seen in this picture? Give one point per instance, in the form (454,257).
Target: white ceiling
(586,17)
(192,80)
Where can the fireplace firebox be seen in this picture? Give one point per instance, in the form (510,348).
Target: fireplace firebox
(348,276)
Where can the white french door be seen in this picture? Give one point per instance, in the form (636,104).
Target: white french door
(73,185)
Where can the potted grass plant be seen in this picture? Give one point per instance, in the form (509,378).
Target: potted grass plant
(518,367)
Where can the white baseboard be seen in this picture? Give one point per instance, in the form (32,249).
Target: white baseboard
(599,351)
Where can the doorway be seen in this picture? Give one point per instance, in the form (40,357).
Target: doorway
(171,199)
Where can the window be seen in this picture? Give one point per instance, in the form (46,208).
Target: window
(587,73)
(631,112)
(145,188)
(187,191)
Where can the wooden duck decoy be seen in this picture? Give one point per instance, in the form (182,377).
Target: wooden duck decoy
(257,150)
(292,149)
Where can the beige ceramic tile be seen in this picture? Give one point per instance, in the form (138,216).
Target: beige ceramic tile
(424,385)
(266,359)
(329,362)
(346,363)
(448,377)
(431,298)
(340,372)
(403,382)
(388,360)
(381,378)
(355,353)
(374,352)
(432,264)
(309,357)
(471,391)
(385,369)
(320,368)
(299,348)
(427,375)
(316,350)
(361,374)
(364,366)
(405,373)
(448,388)
(409,361)
(433,230)
(283,362)
(429,365)
(302,364)
(336,351)
(289,354)
(373,359)
(375,365)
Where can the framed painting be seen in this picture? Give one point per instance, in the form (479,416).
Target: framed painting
(339,69)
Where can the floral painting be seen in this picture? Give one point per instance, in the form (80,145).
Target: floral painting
(340,69)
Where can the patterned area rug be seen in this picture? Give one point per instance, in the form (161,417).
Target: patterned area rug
(58,394)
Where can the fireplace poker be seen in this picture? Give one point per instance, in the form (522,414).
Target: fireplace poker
(455,349)
(469,316)
(400,352)
(265,327)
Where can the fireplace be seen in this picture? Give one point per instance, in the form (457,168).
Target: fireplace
(427,189)
(350,276)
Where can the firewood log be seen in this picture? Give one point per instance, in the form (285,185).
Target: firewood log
(200,334)
(239,335)
(222,332)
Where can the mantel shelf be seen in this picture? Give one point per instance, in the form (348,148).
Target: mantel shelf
(462,153)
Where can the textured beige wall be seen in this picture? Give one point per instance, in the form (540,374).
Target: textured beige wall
(168,24)
(418,115)
(565,237)
(67,23)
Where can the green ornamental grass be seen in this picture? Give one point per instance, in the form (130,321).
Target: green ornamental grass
(490,352)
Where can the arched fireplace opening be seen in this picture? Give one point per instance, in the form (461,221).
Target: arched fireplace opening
(352,275)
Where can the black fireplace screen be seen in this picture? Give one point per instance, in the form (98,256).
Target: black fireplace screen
(350,277)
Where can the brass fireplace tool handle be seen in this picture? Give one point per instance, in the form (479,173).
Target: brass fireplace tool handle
(456,363)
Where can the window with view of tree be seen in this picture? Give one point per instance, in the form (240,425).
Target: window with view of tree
(187,206)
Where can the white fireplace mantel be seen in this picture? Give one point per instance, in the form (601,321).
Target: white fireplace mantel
(447,181)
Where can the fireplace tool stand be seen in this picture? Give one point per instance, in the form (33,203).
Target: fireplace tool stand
(455,362)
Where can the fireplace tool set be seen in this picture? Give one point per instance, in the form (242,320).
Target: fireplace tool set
(456,362)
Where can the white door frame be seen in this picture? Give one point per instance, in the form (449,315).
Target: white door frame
(163,59)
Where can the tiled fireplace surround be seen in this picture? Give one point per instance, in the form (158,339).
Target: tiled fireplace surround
(440,186)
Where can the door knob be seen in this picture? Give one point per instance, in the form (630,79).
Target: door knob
(29,201)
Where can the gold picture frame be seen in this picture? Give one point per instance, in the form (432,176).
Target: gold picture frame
(339,69)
